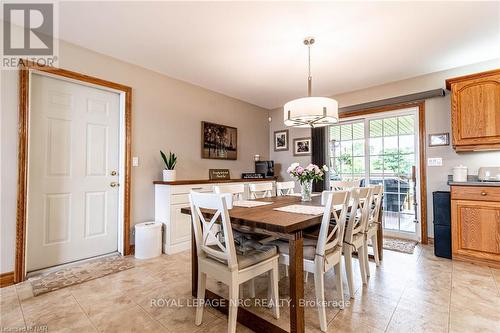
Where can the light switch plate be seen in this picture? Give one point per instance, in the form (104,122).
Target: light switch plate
(434,161)
(135,161)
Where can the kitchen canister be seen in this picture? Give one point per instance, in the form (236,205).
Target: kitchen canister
(460,173)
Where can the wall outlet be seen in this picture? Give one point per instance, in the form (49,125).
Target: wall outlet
(135,161)
(434,161)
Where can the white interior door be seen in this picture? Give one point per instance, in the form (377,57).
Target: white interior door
(74,148)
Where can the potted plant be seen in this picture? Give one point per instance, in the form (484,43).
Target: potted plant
(306,176)
(170,161)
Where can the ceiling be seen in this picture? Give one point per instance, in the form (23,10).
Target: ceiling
(253,51)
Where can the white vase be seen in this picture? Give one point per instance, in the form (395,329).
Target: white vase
(169,175)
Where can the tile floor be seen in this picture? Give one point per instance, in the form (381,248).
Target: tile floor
(408,293)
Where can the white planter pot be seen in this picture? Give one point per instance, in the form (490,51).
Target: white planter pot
(168,175)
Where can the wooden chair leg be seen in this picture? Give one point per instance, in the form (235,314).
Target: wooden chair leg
(202,283)
(349,273)
(273,286)
(319,286)
(233,306)
(362,264)
(375,249)
(339,285)
(251,288)
(367,259)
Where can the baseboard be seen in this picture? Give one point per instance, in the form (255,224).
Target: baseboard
(6,279)
(171,249)
(430,240)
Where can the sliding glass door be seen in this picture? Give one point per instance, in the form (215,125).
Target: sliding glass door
(381,150)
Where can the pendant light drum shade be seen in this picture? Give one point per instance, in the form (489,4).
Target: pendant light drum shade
(311,112)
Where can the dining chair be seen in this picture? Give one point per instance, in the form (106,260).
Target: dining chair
(237,190)
(372,226)
(344,185)
(285,188)
(354,233)
(222,260)
(262,190)
(325,252)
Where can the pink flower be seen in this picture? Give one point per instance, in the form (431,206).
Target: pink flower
(299,170)
(310,167)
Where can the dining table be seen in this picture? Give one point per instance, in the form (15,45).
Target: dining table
(266,220)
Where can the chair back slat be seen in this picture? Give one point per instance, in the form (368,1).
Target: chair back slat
(236,190)
(206,230)
(331,234)
(378,193)
(260,190)
(361,199)
(285,188)
(344,185)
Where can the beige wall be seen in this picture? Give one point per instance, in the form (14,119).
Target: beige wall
(283,159)
(166,114)
(437,121)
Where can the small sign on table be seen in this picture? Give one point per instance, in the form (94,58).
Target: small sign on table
(216,174)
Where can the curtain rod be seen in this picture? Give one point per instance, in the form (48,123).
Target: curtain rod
(394,100)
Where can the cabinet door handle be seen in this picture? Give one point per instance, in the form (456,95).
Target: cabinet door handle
(196,188)
(483,193)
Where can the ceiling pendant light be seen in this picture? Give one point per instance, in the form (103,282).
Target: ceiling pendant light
(311,111)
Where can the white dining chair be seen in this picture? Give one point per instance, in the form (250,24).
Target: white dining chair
(325,252)
(260,190)
(237,190)
(221,260)
(285,188)
(372,226)
(344,185)
(354,234)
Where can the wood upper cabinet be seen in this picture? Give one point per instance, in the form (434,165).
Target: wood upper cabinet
(475,111)
(475,224)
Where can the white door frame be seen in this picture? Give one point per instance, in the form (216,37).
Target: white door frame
(25,72)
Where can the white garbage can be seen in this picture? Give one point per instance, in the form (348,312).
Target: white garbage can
(148,240)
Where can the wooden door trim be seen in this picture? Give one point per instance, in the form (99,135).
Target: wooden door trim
(420,105)
(24,83)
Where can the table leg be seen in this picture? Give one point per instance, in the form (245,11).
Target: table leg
(194,265)
(296,276)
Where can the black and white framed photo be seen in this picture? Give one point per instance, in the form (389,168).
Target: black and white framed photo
(302,147)
(439,139)
(281,140)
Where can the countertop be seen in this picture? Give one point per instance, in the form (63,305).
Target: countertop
(212,181)
(472,180)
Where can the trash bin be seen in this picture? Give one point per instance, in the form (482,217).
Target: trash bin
(148,240)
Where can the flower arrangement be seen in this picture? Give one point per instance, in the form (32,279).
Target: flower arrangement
(310,172)
(306,176)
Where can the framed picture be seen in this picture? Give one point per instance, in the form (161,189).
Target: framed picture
(439,139)
(281,140)
(218,141)
(302,147)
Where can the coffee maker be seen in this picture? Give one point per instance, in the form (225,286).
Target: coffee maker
(265,167)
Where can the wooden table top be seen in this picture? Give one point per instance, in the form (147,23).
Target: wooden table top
(265,217)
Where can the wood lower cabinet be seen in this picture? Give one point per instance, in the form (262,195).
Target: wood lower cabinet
(475,224)
(475,111)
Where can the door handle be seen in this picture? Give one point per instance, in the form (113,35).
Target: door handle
(114,173)
(114,184)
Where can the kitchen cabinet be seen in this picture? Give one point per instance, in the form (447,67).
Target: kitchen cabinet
(475,224)
(475,111)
